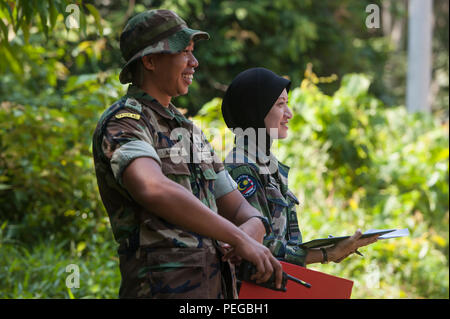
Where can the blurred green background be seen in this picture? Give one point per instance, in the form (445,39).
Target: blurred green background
(358,158)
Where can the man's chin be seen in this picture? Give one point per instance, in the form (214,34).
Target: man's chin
(183,92)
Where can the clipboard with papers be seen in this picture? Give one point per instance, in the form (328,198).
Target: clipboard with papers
(331,240)
(321,285)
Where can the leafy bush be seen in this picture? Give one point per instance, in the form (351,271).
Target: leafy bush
(50,207)
(47,181)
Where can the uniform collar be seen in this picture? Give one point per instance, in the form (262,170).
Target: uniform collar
(267,164)
(251,148)
(169,112)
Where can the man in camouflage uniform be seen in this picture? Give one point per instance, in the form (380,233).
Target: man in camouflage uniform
(168,197)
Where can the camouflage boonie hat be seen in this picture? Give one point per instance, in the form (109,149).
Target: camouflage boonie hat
(154,31)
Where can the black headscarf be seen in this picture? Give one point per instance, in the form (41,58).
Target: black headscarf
(250,97)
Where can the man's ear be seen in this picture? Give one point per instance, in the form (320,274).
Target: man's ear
(148,61)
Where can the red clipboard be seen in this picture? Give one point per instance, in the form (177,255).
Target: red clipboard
(323,286)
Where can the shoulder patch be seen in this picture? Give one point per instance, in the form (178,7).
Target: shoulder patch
(246,185)
(133,104)
(130,115)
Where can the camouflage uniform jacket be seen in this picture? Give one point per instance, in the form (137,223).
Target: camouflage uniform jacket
(159,259)
(263,181)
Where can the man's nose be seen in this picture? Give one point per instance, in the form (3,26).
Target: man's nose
(193,61)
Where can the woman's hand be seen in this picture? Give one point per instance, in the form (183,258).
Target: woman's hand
(254,228)
(348,246)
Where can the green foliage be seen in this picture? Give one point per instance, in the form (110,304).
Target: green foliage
(355,164)
(48,187)
(282,36)
(379,168)
(40,271)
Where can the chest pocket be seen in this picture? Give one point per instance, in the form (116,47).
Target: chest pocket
(202,183)
(172,161)
(208,172)
(276,201)
(294,232)
(291,199)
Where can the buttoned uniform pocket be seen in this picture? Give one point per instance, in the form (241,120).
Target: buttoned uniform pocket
(208,172)
(292,200)
(203,184)
(174,165)
(276,201)
(173,160)
(278,206)
(183,273)
(295,235)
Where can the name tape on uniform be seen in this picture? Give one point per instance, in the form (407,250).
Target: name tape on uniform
(131,115)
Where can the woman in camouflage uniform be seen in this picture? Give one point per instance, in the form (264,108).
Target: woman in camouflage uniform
(255,108)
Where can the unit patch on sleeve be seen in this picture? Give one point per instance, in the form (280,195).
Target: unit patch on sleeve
(246,185)
(130,115)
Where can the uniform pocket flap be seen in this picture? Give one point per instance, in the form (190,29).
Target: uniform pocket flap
(172,161)
(292,197)
(208,171)
(274,195)
(168,258)
(174,152)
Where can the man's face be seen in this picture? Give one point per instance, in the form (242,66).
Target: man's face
(174,72)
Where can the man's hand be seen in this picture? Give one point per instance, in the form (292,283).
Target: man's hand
(260,256)
(253,228)
(348,246)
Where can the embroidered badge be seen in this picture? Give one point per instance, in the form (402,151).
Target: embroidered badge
(131,115)
(246,185)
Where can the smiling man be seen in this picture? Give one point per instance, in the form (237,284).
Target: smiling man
(167,211)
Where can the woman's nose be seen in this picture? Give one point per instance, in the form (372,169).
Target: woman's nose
(288,112)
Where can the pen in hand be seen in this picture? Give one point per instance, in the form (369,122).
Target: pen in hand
(356,251)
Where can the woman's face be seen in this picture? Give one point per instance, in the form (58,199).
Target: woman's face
(278,117)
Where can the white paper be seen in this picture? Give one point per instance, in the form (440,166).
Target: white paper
(394,234)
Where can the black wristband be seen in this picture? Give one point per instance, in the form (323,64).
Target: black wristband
(265,222)
(325,255)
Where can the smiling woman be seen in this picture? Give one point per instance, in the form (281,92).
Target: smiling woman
(257,99)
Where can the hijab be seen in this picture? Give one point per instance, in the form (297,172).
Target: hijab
(249,98)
